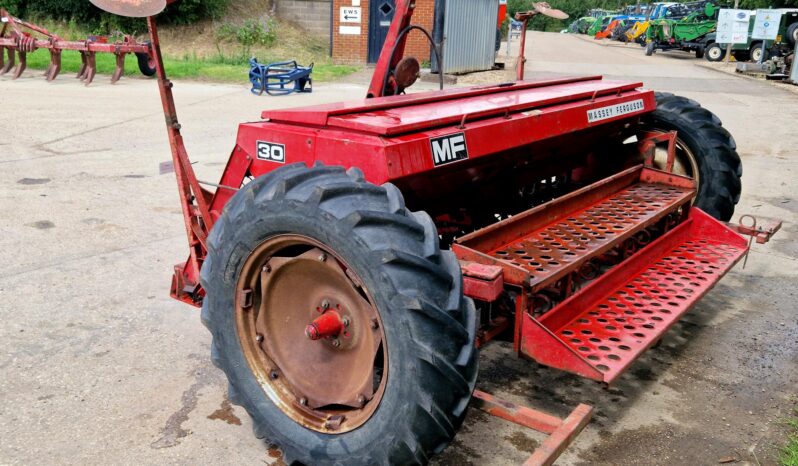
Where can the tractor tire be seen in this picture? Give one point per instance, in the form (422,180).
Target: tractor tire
(715,52)
(392,259)
(699,52)
(650,49)
(792,34)
(709,148)
(146,65)
(741,55)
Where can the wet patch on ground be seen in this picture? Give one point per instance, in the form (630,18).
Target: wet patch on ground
(661,444)
(33,181)
(41,225)
(522,442)
(173,430)
(225,413)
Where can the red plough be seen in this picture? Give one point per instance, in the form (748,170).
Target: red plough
(18,38)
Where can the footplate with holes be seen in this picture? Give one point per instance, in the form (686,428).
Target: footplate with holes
(542,245)
(600,330)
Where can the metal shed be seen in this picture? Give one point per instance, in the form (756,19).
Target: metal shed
(468,31)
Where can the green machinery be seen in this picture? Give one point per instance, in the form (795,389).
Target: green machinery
(752,48)
(688,33)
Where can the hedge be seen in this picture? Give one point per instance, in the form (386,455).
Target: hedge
(84,13)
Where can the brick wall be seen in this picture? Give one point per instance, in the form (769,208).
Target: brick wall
(417,44)
(350,48)
(311,15)
(354,48)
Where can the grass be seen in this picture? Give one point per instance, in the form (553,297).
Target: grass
(197,52)
(219,69)
(789,453)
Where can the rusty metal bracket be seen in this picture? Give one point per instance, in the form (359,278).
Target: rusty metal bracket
(561,431)
(648,145)
(761,228)
(481,281)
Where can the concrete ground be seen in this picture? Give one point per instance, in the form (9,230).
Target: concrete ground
(99,366)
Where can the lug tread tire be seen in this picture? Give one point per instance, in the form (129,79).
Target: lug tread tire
(792,32)
(416,286)
(714,148)
(143,60)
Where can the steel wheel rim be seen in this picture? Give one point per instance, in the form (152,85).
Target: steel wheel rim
(684,161)
(756,54)
(714,53)
(330,385)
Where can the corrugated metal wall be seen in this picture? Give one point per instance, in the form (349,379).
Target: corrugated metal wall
(469,28)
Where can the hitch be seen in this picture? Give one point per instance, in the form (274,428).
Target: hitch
(759,228)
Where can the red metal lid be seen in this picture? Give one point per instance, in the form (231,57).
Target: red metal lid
(402,114)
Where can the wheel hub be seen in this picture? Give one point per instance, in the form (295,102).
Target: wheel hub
(309,334)
(684,162)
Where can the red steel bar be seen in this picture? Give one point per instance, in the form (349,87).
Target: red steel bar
(551,448)
(562,432)
(81,46)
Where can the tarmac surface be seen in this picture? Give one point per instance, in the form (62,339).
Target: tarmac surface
(99,366)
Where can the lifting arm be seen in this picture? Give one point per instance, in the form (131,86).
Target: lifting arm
(393,49)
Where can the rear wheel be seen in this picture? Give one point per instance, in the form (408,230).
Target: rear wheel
(146,64)
(705,151)
(699,52)
(757,53)
(340,324)
(792,33)
(741,55)
(715,52)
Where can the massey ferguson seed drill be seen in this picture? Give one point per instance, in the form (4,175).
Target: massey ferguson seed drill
(354,256)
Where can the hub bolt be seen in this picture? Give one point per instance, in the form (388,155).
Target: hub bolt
(273,375)
(361,400)
(345,321)
(375,324)
(325,304)
(267,268)
(323,257)
(303,401)
(336,343)
(259,338)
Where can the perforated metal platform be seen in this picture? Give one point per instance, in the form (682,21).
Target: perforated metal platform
(547,251)
(609,323)
(540,246)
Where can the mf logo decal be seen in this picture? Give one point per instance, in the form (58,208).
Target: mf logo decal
(448,149)
(271,152)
